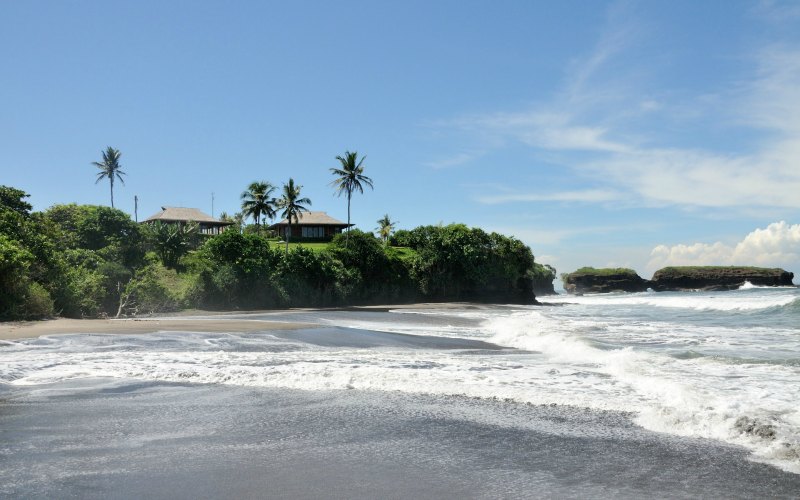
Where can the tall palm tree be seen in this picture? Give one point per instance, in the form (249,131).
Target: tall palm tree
(256,201)
(111,168)
(350,178)
(385,228)
(293,206)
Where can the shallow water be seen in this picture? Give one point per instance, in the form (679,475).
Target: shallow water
(715,374)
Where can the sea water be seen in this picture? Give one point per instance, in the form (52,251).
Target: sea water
(723,367)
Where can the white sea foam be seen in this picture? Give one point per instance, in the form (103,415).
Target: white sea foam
(687,300)
(713,379)
(695,397)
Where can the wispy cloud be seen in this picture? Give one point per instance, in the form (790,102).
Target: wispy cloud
(778,12)
(611,145)
(453,161)
(586,196)
(542,129)
(552,236)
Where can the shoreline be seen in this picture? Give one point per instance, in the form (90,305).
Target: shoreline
(191,320)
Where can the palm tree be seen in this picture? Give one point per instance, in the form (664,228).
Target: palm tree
(172,241)
(385,228)
(256,201)
(293,206)
(110,168)
(349,178)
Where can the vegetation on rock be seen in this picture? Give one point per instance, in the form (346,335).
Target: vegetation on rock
(717,277)
(603,280)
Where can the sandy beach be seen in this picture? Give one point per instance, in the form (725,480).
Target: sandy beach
(190,321)
(29,329)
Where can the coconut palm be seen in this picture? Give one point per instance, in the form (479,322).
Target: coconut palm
(350,178)
(256,201)
(111,168)
(293,206)
(385,228)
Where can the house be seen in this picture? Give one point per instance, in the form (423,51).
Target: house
(311,226)
(182,215)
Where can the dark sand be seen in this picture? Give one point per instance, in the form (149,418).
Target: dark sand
(151,440)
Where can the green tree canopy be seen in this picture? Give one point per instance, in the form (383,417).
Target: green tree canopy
(171,241)
(14,199)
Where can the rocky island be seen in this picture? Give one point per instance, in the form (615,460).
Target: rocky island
(687,278)
(717,278)
(605,280)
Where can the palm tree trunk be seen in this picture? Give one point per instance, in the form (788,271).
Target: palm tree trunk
(288,235)
(111,181)
(347,236)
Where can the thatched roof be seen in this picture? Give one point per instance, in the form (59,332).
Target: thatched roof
(314,219)
(183,214)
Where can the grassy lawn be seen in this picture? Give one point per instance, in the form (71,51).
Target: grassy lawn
(404,253)
(314,247)
(606,271)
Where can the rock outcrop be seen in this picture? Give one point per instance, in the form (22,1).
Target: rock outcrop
(591,280)
(544,289)
(717,278)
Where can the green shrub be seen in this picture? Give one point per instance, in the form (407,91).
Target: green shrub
(37,303)
(605,271)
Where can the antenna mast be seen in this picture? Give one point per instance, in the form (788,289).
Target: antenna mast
(136,208)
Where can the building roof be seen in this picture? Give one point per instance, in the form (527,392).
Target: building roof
(314,219)
(182,214)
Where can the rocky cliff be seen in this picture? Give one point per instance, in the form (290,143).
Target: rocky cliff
(717,278)
(591,280)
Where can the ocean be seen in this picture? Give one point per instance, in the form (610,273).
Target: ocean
(670,395)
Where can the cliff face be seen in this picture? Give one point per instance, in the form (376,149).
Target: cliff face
(717,278)
(590,280)
(544,289)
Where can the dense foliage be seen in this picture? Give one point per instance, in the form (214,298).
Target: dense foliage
(604,271)
(90,261)
(703,270)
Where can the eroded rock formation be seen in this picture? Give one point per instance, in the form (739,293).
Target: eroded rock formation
(591,280)
(717,278)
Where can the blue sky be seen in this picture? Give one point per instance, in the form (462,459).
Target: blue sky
(600,133)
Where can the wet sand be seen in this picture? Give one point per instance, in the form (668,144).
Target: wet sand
(186,321)
(129,440)
(29,329)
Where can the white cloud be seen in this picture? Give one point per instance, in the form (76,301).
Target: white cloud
(705,179)
(592,124)
(452,161)
(587,196)
(546,130)
(777,245)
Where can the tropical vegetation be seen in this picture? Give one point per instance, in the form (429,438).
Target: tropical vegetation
(385,228)
(293,206)
(93,261)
